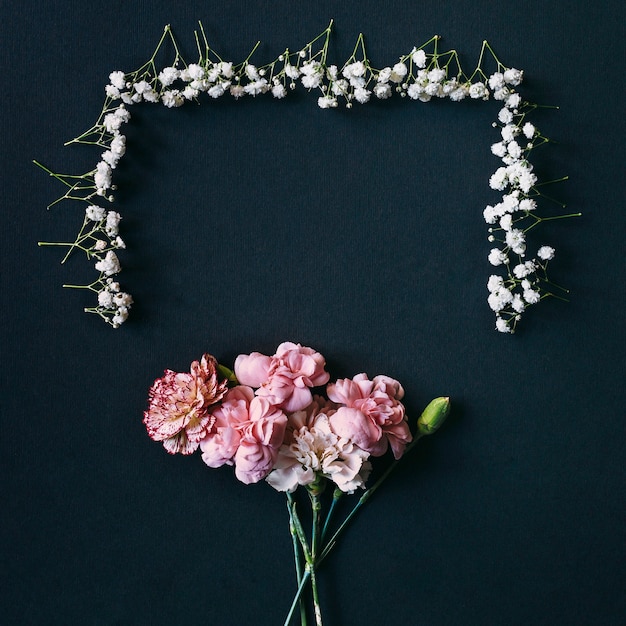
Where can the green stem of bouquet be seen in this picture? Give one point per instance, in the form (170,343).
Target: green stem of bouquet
(313,560)
(428,423)
(298,562)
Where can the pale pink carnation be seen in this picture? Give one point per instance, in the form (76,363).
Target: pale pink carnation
(178,414)
(379,420)
(316,450)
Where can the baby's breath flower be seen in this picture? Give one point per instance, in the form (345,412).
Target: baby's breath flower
(109,265)
(545,253)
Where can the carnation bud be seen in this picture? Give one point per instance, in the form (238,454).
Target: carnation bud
(434,416)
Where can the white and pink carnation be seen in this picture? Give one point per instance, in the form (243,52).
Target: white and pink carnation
(315,449)
(179,403)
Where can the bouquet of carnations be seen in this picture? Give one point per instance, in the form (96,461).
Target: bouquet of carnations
(269,419)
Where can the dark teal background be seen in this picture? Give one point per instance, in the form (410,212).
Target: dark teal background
(357,232)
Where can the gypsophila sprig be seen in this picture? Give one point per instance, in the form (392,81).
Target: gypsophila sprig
(279,418)
(423,74)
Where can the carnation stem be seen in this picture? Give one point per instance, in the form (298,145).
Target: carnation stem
(315,537)
(316,600)
(296,598)
(363,499)
(298,560)
(337,494)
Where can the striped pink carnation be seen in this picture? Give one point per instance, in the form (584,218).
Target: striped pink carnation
(178,414)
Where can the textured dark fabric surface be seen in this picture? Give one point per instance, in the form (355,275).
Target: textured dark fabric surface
(357,232)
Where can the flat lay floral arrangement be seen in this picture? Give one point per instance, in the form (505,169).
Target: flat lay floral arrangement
(423,74)
(279,418)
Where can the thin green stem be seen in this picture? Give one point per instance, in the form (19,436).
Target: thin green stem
(298,560)
(337,495)
(363,499)
(296,598)
(316,601)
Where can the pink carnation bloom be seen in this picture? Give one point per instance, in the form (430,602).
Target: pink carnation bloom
(247,432)
(377,419)
(178,413)
(286,378)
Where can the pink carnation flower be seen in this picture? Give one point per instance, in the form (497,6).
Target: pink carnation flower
(247,433)
(286,378)
(178,413)
(377,417)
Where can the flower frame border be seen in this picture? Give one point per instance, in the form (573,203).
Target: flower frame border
(420,75)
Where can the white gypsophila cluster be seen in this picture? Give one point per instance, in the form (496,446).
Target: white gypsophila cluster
(511,219)
(421,75)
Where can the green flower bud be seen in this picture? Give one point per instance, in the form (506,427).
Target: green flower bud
(434,416)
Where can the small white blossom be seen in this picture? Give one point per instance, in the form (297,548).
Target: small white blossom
(524,269)
(384,76)
(279,91)
(226,69)
(398,72)
(531,296)
(513,76)
(502,326)
(172,98)
(118,79)
(362,95)
(499,179)
(436,75)
(496,81)
(506,222)
(120,316)
(478,90)
(495,283)
(459,94)
(195,71)
(419,58)
(497,257)
(95,213)
(382,91)
(189,93)
(112,223)
(513,101)
(168,75)
(516,240)
(292,71)
(122,299)
(490,214)
(509,132)
(326,102)
(311,75)
(501,94)
(514,149)
(102,177)
(505,116)
(109,265)
(236,91)
(545,253)
(529,130)
(256,87)
(517,304)
(527,204)
(105,299)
